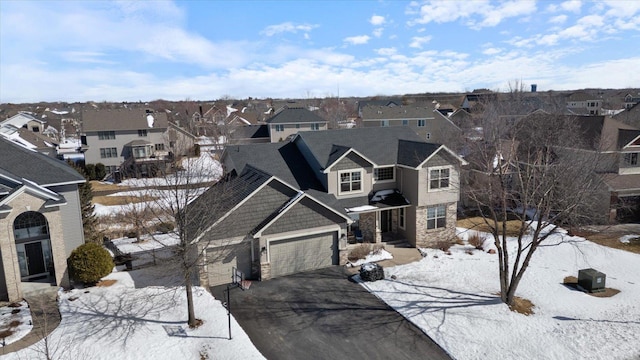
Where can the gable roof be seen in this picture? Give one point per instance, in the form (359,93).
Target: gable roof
(122,120)
(378,144)
(295,115)
(41,169)
(21,119)
(398,112)
(627,137)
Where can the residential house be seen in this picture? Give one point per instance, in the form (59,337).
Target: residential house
(40,219)
(113,136)
(25,120)
(583,103)
(630,100)
(288,121)
(424,119)
(293,205)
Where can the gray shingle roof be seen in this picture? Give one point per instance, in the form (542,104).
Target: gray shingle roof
(397,112)
(413,153)
(626,136)
(39,168)
(121,119)
(379,145)
(295,116)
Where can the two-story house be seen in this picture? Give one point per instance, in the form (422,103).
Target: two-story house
(113,136)
(430,124)
(40,219)
(583,103)
(290,206)
(290,120)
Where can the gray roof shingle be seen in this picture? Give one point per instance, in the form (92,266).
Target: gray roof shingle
(121,120)
(39,168)
(296,115)
(379,145)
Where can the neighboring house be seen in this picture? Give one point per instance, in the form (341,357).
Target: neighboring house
(583,103)
(424,119)
(133,135)
(294,204)
(630,101)
(25,120)
(288,121)
(40,219)
(249,134)
(32,140)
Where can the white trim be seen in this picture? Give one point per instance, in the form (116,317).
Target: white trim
(359,170)
(432,168)
(462,161)
(404,218)
(328,168)
(294,234)
(393,179)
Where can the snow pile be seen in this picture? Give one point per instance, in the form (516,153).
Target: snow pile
(454,299)
(147,243)
(124,321)
(627,238)
(374,256)
(9,316)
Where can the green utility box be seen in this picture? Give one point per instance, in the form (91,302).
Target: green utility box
(591,280)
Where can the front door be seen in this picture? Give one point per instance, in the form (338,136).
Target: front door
(35,259)
(385,221)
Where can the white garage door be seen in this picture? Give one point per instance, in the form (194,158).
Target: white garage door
(303,253)
(221,261)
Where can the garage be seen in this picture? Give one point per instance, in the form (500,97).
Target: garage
(221,261)
(303,253)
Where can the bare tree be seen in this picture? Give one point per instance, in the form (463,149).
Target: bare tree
(178,199)
(531,168)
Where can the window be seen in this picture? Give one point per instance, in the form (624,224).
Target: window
(384,123)
(422,123)
(631,159)
(350,181)
(106,135)
(111,169)
(439,178)
(279,128)
(108,152)
(139,152)
(315,126)
(401,217)
(142,133)
(159,147)
(436,217)
(297,126)
(405,122)
(383,174)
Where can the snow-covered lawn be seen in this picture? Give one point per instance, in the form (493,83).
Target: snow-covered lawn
(454,299)
(129,320)
(374,256)
(15,322)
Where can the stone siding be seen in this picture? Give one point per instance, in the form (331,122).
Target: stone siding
(429,238)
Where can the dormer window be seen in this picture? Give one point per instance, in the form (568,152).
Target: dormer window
(350,181)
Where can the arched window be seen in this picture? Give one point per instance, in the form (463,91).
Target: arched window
(30,225)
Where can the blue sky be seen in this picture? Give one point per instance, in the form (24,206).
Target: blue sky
(201,50)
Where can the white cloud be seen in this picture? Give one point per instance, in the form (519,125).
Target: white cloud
(418,41)
(491,51)
(357,40)
(573,6)
(377,20)
(478,14)
(560,19)
(287,27)
(386,51)
(378,32)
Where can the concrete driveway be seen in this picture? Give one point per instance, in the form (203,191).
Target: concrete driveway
(322,315)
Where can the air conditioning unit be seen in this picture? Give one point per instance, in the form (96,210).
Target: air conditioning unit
(591,280)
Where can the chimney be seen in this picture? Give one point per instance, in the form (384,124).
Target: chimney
(534,87)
